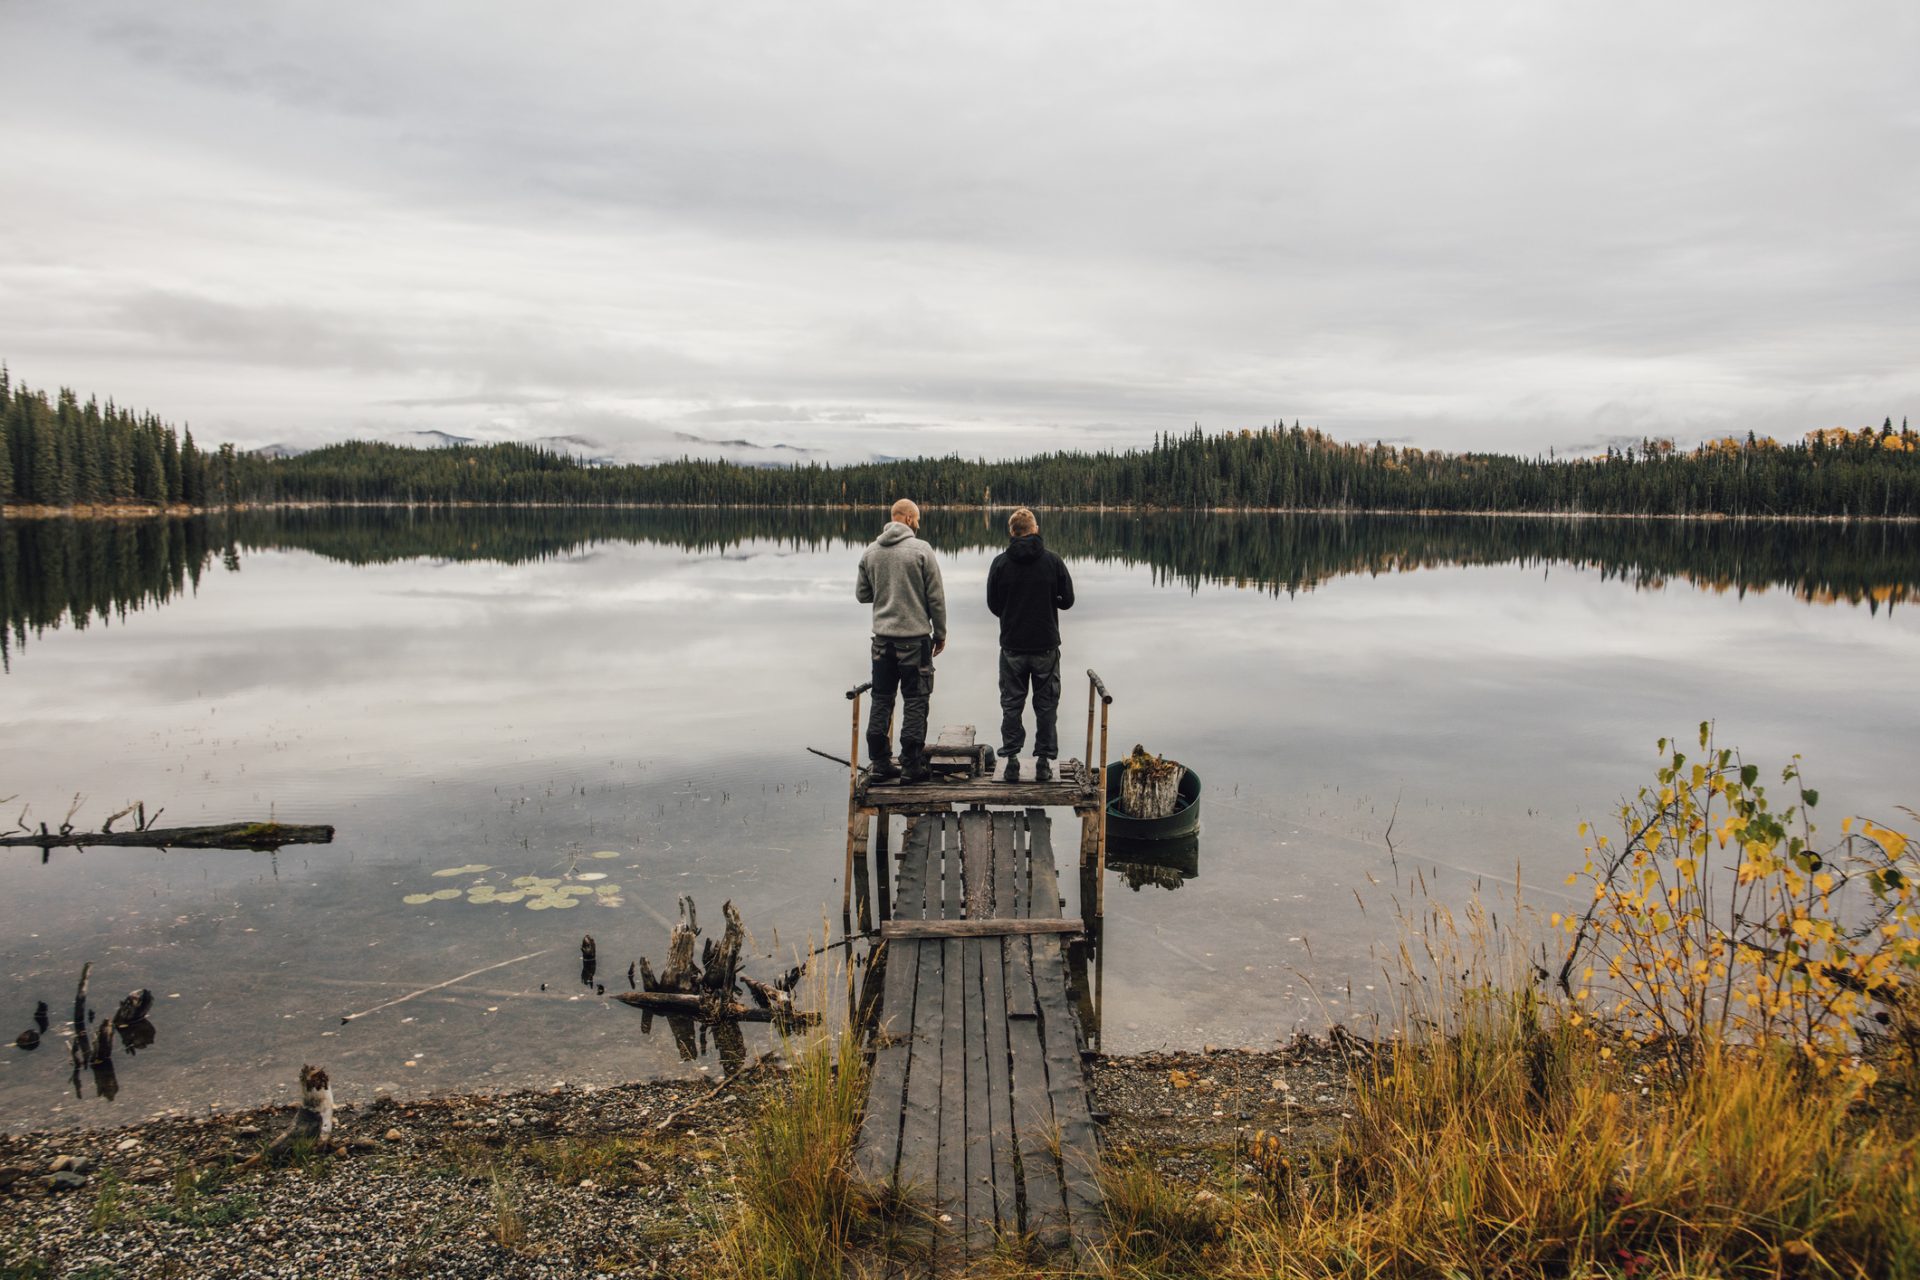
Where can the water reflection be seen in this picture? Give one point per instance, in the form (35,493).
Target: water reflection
(498,709)
(1160,864)
(81,571)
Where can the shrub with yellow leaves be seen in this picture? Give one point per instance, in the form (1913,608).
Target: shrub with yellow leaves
(1718,919)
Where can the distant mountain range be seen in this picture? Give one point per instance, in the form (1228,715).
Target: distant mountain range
(593,453)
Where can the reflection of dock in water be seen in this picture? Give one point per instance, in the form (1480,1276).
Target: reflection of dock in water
(978,1114)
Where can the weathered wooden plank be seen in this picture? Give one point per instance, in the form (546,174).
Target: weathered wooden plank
(1043,1203)
(915,856)
(1046,884)
(1006,1195)
(1066,1084)
(960,789)
(882,862)
(1005,842)
(952,887)
(859,827)
(954,740)
(950,1197)
(976,843)
(983,928)
(1010,841)
(880,1129)
(920,1127)
(1011,828)
(980,1220)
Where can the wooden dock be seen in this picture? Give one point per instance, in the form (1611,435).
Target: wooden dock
(978,1126)
(978,1117)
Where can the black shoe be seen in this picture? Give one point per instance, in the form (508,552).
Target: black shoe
(883,770)
(914,766)
(1013,770)
(1043,770)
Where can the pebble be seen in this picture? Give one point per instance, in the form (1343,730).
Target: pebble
(72,1164)
(66,1180)
(394,1135)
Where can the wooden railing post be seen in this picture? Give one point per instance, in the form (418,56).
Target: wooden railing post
(853,807)
(1096,685)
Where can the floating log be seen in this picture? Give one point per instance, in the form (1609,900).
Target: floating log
(1150,785)
(680,1002)
(258,836)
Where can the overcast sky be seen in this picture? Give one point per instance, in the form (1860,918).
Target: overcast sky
(899,229)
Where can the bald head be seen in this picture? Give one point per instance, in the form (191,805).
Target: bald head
(907,513)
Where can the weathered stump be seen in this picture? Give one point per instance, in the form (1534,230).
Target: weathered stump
(1150,785)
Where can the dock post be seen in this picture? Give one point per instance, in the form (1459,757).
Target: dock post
(853,810)
(883,860)
(1095,683)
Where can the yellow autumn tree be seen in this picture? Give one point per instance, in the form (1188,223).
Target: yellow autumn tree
(1717,919)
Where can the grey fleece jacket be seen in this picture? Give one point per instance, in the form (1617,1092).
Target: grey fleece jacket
(901,580)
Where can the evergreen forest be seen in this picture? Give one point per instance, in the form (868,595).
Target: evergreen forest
(59,452)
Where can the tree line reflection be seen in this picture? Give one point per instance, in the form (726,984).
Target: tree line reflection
(79,573)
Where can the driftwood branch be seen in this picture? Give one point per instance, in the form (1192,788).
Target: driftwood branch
(679,1002)
(706,990)
(258,836)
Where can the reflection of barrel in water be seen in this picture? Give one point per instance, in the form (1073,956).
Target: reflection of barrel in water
(1165,864)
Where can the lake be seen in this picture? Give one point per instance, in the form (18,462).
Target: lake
(619,703)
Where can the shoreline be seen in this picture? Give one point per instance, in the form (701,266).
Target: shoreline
(153,511)
(634,1179)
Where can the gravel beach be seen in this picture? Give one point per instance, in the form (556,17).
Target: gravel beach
(630,1180)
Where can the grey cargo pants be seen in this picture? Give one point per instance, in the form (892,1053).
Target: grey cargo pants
(902,666)
(1042,672)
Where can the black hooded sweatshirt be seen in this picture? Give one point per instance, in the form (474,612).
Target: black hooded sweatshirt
(1026,587)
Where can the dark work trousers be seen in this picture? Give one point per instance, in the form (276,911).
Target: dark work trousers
(1042,672)
(903,666)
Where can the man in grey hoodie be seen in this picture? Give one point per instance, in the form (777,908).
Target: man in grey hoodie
(901,580)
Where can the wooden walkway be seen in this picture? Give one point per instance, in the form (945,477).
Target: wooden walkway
(978,1115)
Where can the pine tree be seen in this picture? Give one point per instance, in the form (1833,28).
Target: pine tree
(170,463)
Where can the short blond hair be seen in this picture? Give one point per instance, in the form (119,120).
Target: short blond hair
(1022,522)
(906,511)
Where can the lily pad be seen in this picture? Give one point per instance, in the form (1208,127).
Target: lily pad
(605,853)
(606,890)
(559,903)
(417,899)
(611,900)
(472,868)
(511,895)
(539,904)
(591,875)
(572,890)
(481,895)
(447,895)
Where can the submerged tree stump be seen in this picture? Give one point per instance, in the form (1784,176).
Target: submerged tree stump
(1150,785)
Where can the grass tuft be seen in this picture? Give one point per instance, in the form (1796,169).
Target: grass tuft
(800,1213)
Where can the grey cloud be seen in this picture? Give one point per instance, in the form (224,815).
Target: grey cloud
(1467,225)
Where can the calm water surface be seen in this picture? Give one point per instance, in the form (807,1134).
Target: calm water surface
(525,691)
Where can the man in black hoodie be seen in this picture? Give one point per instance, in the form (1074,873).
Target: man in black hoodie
(1026,588)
